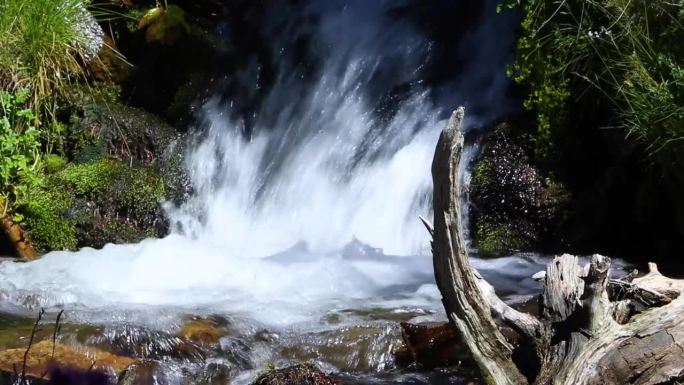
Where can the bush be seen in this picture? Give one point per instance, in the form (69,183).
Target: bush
(19,146)
(43,44)
(605,64)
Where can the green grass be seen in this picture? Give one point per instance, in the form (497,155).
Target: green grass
(618,63)
(41,46)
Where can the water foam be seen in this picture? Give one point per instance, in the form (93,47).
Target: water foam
(301,215)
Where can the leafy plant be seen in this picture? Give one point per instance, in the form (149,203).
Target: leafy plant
(163,23)
(19,146)
(608,64)
(42,44)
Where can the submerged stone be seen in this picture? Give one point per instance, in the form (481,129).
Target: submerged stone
(301,374)
(429,345)
(45,359)
(203,331)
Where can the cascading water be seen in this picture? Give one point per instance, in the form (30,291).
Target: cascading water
(309,204)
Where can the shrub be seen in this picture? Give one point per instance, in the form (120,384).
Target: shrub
(43,44)
(606,64)
(19,146)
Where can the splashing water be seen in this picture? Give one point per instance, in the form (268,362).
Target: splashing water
(317,207)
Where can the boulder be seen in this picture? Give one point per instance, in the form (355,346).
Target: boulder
(515,207)
(118,165)
(202,331)
(46,360)
(429,345)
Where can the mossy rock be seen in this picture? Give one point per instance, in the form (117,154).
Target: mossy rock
(495,239)
(515,206)
(101,126)
(95,203)
(46,218)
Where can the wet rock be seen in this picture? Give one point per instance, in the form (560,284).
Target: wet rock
(432,377)
(109,65)
(301,374)
(140,373)
(45,359)
(202,331)
(351,348)
(429,345)
(214,373)
(237,352)
(149,344)
(101,126)
(91,39)
(96,203)
(514,206)
(123,164)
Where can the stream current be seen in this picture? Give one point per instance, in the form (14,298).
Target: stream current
(301,239)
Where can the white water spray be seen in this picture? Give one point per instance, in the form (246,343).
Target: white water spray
(297,219)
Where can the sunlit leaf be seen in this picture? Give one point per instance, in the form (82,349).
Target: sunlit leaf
(151,17)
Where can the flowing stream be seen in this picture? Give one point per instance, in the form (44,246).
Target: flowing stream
(302,238)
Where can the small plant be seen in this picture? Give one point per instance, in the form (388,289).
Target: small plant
(43,44)
(19,146)
(604,64)
(164,23)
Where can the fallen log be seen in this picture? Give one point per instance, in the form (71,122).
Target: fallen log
(15,234)
(591,329)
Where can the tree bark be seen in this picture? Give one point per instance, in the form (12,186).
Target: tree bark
(16,235)
(592,329)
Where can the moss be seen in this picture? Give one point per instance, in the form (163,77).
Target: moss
(128,201)
(91,178)
(95,203)
(498,239)
(45,213)
(144,190)
(484,173)
(515,206)
(54,163)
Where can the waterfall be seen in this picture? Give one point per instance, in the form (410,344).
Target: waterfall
(309,199)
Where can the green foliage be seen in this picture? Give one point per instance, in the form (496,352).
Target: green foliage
(92,178)
(617,62)
(164,23)
(45,217)
(498,239)
(19,146)
(93,203)
(40,44)
(54,163)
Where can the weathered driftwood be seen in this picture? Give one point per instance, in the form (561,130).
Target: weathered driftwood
(17,236)
(592,329)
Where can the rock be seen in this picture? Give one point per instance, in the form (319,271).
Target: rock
(514,206)
(41,363)
(96,203)
(123,164)
(301,374)
(140,373)
(429,345)
(92,36)
(109,64)
(202,331)
(136,341)
(16,331)
(103,126)
(358,348)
